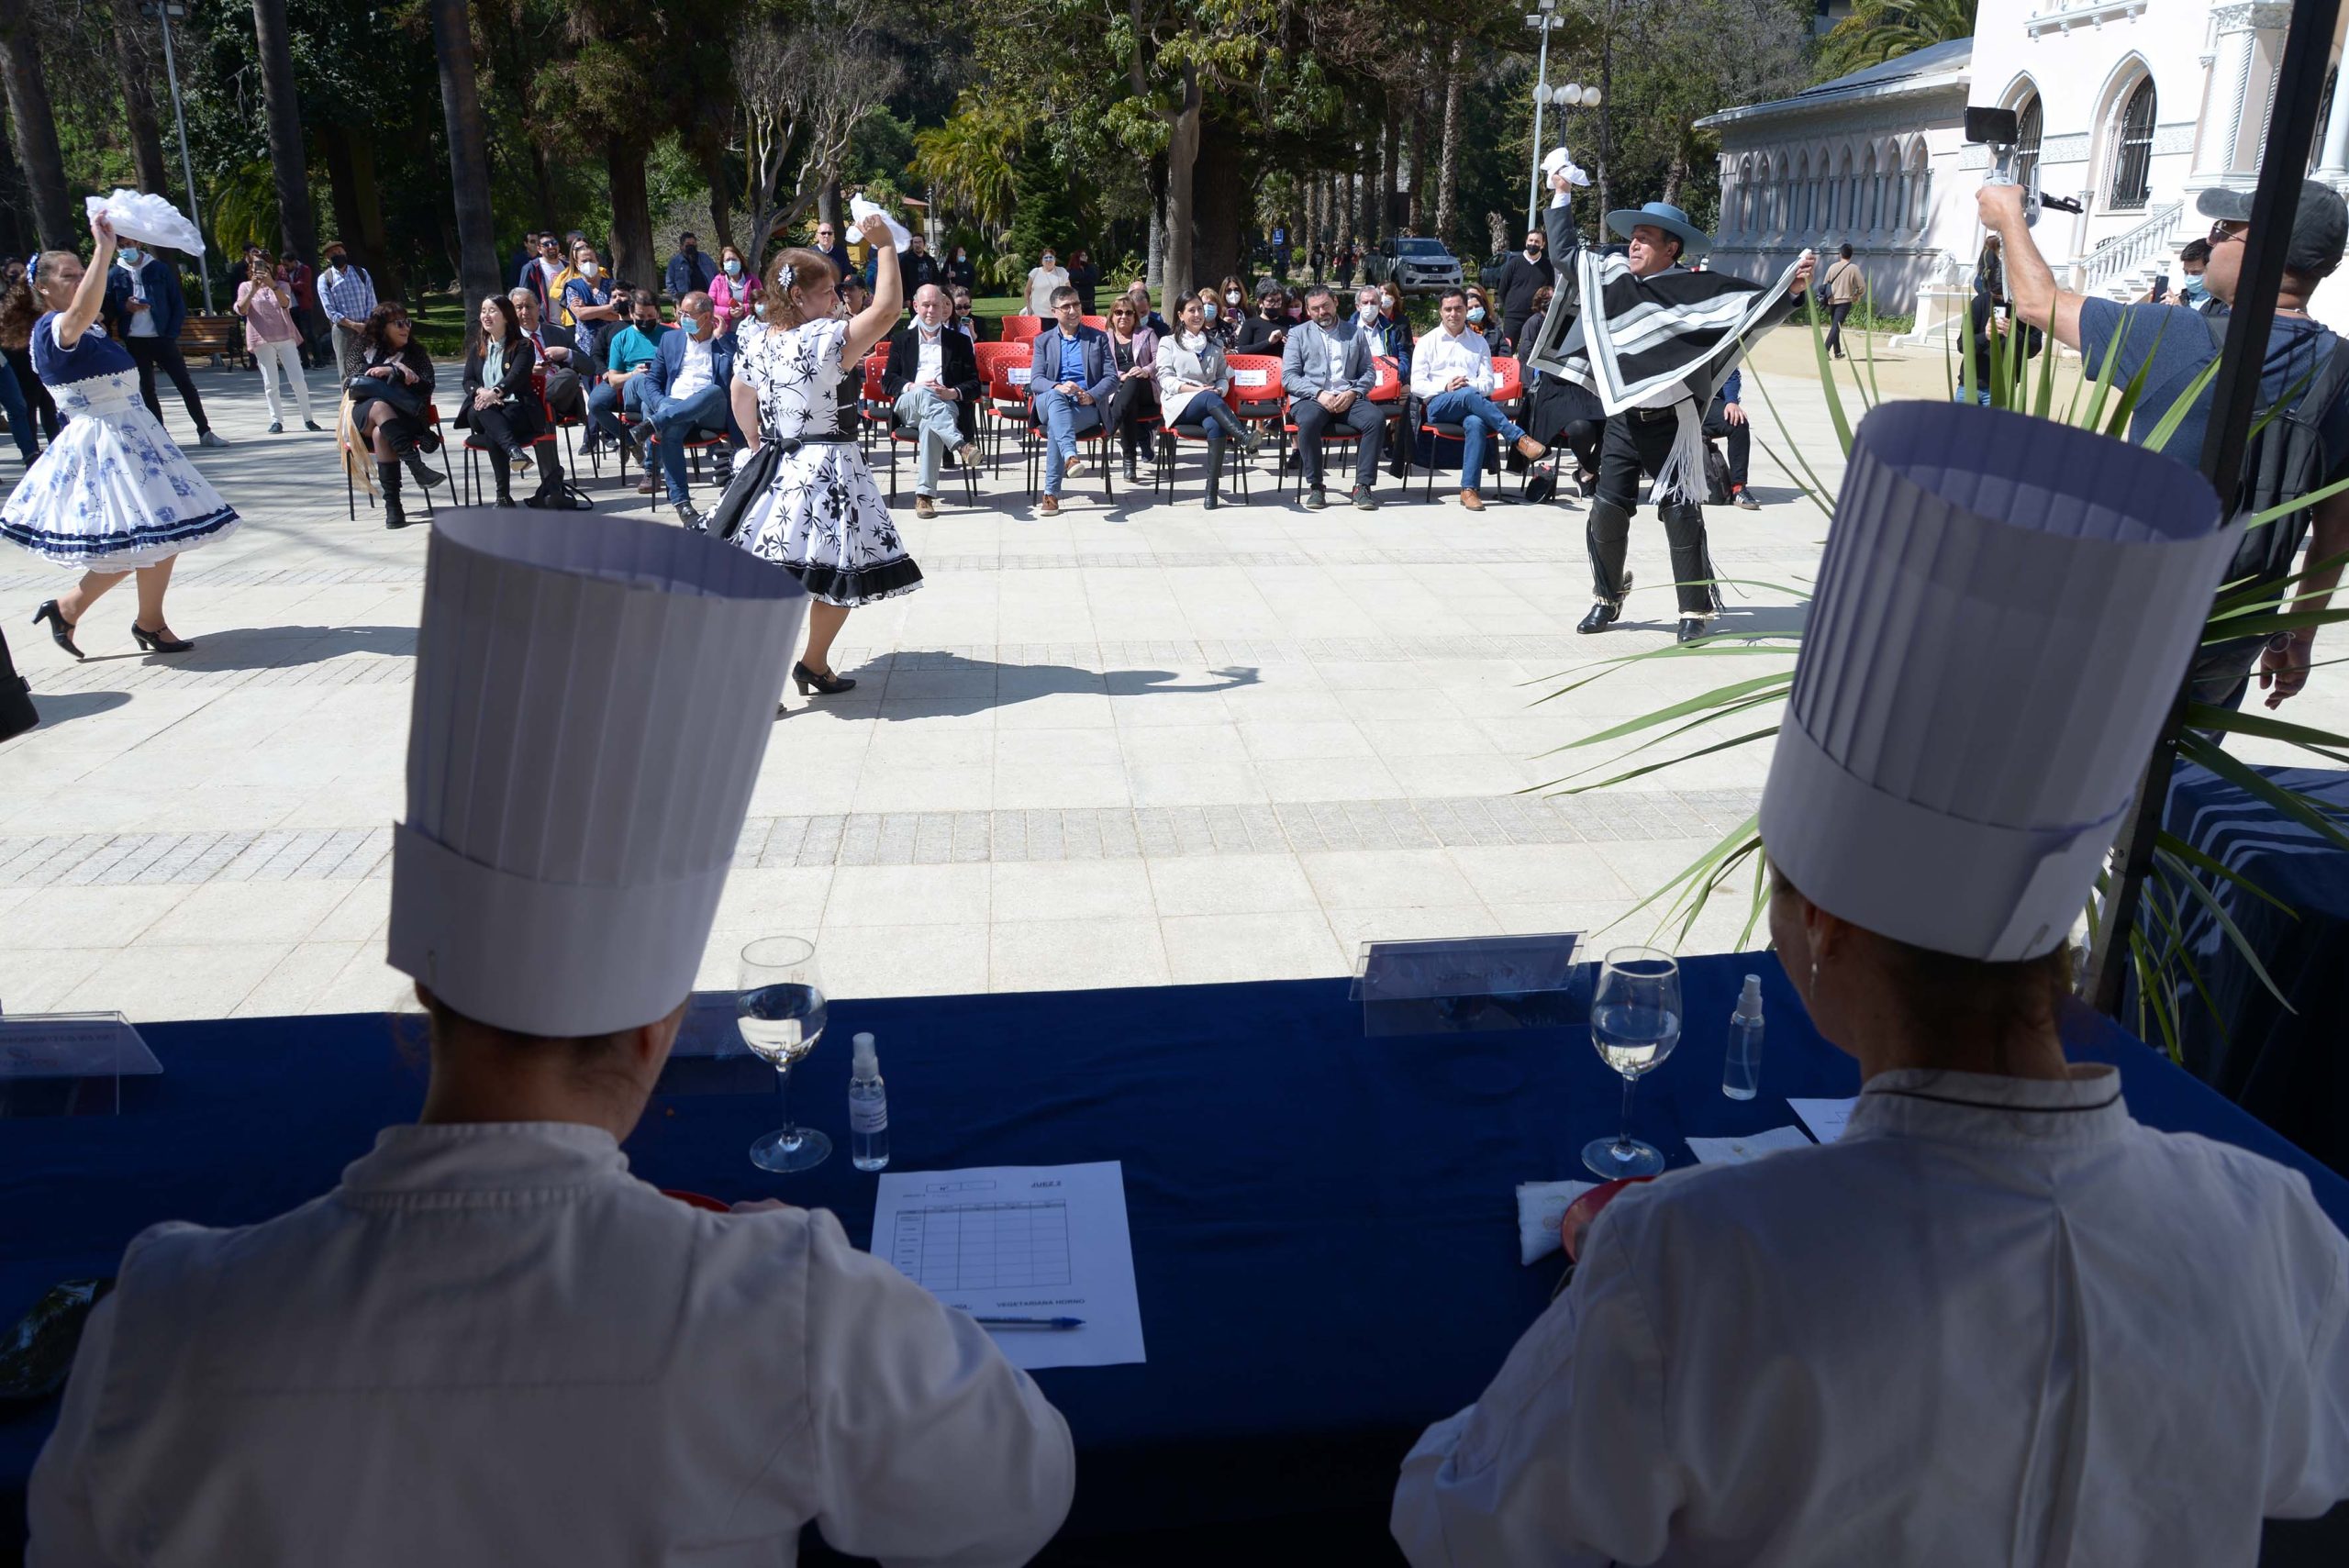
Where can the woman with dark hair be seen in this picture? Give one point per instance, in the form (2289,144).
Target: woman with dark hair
(502,404)
(821,519)
(733,291)
(390,406)
(1192,381)
(112,494)
(1133,348)
(1996,1318)
(273,339)
(16,348)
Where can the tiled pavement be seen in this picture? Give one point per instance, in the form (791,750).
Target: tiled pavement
(1128,744)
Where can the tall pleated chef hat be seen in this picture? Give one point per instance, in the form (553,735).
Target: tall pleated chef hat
(593,698)
(2005,611)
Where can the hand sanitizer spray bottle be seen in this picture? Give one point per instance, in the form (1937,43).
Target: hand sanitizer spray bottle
(868,1109)
(1742,1077)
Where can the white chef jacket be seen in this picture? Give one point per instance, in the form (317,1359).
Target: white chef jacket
(492,1345)
(1999,1322)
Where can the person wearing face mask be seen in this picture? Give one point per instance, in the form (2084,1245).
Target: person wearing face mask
(1138,293)
(587,301)
(1524,274)
(144,309)
(1267,329)
(1046,278)
(690,398)
(1390,337)
(959,272)
(1481,322)
(964,321)
(2193,291)
(348,297)
(689,271)
(733,291)
(629,354)
(1216,322)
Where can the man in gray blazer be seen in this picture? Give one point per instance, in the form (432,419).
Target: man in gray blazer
(1329,380)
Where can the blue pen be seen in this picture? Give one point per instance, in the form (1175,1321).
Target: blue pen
(1029,1322)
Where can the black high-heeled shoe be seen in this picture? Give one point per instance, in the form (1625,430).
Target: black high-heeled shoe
(59,626)
(825,685)
(161,642)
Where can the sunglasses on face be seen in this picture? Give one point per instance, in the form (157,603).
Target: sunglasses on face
(2223,230)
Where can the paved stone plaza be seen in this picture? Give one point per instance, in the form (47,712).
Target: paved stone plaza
(1130,744)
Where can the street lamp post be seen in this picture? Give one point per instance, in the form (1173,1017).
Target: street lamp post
(1548,20)
(187,164)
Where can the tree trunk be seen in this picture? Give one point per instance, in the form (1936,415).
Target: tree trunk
(542,189)
(632,254)
(359,206)
(15,232)
(1419,183)
(34,126)
(154,175)
(721,198)
(1154,258)
(1182,158)
(1390,157)
(288,158)
(827,204)
(1447,180)
(1222,205)
(1674,176)
(452,44)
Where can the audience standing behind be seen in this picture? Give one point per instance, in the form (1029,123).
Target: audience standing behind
(144,311)
(689,271)
(348,295)
(273,338)
(1045,279)
(734,290)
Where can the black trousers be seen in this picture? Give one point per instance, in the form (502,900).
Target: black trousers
(1562,414)
(148,353)
(1133,402)
(1365,418)
(1634,448)
(1740,439)
(1835,314)
(44,406)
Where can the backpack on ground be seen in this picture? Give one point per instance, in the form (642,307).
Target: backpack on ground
(2284,459)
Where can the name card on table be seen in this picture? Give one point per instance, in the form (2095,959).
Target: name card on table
(67,1063)
(1251,378)
(1018,374)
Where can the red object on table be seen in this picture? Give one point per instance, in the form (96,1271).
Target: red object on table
(697,1200)
(1583,1210)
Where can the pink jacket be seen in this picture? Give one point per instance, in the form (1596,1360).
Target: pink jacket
(731,299)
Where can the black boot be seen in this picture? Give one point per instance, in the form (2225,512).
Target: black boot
(427,477)
(1215,473)
(387,474)
(1692,565)
(1609,536)
(501,477)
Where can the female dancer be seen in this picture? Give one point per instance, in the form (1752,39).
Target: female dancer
(112,494)
(822,520)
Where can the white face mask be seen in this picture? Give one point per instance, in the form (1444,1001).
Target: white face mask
(1232,296)
(1367,309)
(588,269)
(1387,300)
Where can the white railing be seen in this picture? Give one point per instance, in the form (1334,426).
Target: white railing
(2125,253)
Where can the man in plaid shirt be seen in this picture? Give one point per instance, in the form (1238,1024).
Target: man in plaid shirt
(348,294)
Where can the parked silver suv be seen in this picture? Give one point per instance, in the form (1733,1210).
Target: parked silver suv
(1413,265)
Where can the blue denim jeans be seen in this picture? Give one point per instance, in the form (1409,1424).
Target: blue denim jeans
(20,417)
(1063,417)
(673,420)
(1476,414)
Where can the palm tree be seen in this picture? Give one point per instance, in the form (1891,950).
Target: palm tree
(35,124)
(1879,30)
(969,161)
(452,42)
(287,155)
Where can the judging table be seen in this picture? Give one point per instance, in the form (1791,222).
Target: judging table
(1323,1222)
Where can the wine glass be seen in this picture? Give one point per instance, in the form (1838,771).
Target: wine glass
(781,1012)
(1634,1023)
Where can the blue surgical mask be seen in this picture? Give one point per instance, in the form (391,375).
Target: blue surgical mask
(130,254)
(2192,292)
(1210,308)
(733,268)
(1475,313)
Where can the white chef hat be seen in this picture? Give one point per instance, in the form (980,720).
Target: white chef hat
(593,698)
(2005,610)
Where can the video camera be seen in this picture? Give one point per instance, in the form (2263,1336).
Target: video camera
(1998,130)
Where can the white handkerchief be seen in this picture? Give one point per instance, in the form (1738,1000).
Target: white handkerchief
(1752,1146)
(147,219)
(1558,158)
(1541,1208)
(858,209)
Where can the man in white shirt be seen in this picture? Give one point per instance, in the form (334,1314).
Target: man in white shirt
(1328,377)
(1452,377)
(491,1344)
(932,374)
(1997,1320)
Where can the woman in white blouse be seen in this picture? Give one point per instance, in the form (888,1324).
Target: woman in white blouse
(1192,380)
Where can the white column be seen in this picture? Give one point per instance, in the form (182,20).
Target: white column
(2230,78)
(2333,165)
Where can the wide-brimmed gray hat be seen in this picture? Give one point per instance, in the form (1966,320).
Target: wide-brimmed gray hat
(1694,241)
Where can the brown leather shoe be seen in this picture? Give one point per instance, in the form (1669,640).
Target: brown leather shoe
(924,506)
(1051,506)
(1531,449)
(1472,501)
(648,484)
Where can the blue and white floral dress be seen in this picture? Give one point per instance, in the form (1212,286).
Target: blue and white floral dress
(113,491)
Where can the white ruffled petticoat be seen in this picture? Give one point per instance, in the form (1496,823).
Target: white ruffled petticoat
(113,491)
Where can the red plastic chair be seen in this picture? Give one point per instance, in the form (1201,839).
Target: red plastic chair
(1385,389)
(367,454)
(1005,412)
(1021,328)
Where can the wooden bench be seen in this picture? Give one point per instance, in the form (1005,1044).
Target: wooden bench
(216,338)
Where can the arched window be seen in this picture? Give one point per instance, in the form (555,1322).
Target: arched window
(2132,151)
(1920,184)
(1802,192)
(2030,125)
(1865,209)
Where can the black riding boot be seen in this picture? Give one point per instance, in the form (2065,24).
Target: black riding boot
(1215,473)
(1693,574)
(387,474)
(1609,536)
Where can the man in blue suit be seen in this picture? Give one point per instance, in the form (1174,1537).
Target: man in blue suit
(693,380)
(1072,378)
(144,311)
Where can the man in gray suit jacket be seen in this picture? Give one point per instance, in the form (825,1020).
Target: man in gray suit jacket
(1329,380)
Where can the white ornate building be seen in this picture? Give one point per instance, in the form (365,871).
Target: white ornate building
(2132,106)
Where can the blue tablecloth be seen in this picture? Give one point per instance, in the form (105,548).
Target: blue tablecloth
(1324,1224)
(2283,1065)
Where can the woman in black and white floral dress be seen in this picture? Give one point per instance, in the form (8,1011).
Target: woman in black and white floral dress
(822,520)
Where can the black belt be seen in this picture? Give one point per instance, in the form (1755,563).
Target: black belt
(1649,416)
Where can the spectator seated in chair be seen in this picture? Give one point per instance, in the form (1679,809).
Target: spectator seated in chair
(932,377)
(1452,377)
(1074,378)
(1328,377)
(1725,422)
(502,407)
(692,383)
(564,367)
(628,352)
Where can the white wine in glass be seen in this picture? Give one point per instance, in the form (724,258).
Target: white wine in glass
(781,1011)
(1634,1024)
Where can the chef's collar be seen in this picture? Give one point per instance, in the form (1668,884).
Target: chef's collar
(482,1157)
(1982,1108)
